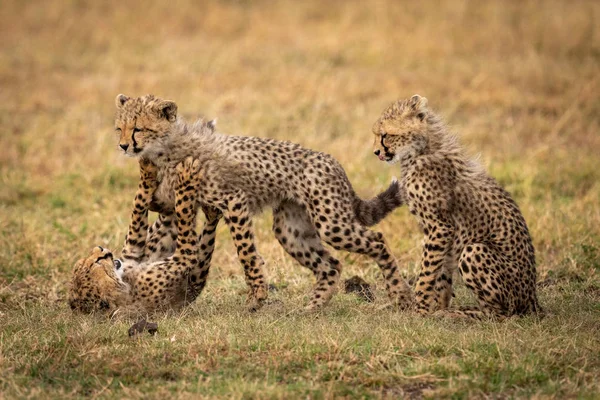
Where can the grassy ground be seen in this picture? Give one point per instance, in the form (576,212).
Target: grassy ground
(518,80)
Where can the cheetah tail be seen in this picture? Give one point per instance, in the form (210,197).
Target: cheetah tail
(370,212)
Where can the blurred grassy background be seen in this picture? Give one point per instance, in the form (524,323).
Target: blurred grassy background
(518,80)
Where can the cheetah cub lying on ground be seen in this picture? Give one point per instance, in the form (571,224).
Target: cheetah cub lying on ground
(468,220)
(311,197)
(157,276)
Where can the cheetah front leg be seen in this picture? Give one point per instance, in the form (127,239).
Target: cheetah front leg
(135,241)
(199,272)
(186,249)
(443,286)
(240,227)
(166,283)
(434,287)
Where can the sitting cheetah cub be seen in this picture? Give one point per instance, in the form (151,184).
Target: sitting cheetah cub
(148,277)
(311,197)
(468,220)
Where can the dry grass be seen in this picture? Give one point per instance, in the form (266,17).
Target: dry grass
(519,80)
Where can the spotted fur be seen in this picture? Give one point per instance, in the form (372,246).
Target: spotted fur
(467,219)
(161,267)
(311,197)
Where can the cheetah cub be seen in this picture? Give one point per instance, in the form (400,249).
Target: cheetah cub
(467,219)
(149,277)
(311,196)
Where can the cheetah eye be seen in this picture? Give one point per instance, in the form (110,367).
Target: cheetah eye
(118,264)
(118,129)
(135,130)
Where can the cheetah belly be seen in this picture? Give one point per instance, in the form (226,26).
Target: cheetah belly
(262,188)
(164,195)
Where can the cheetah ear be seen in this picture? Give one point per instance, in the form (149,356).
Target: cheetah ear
(167,109)
(121,100)
(419,104)
(212,124)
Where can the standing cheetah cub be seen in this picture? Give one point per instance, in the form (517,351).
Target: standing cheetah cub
(468,220)
(154,273)
(311,197)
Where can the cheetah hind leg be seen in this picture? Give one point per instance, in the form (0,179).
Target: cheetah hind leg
(468,313)
(355,238)
(295,232)
(494,296)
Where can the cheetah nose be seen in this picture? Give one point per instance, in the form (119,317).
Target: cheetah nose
(376,152)
(124,146)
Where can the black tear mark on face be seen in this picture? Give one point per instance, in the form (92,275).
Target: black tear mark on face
(135,148)
(386,149)
(104,257)
(133,132)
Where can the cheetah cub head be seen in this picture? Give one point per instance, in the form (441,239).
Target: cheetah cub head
(96,284)
(401,132)
(141,122)
(146,124)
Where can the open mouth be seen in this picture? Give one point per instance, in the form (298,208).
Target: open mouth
(386,157)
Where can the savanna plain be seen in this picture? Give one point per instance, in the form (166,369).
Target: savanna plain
(518,81)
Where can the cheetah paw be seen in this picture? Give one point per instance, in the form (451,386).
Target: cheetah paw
(189,172)
(254,305)
(311,309)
